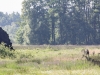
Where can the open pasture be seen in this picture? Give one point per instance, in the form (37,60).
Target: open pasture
(49,60)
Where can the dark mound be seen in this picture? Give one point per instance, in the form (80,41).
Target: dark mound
(4,37)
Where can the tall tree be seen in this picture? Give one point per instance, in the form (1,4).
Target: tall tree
(61,21)
(35,14)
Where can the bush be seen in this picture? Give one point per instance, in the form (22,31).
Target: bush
(5,51)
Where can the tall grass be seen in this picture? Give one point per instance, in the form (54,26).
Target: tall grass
(47,61)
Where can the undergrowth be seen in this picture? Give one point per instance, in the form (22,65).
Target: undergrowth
(5,52)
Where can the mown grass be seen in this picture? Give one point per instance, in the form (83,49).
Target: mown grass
(47,61)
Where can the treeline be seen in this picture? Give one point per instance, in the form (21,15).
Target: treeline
(60,22)
(7,19)
(9,23)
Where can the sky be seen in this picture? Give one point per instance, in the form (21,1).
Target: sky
(10,6)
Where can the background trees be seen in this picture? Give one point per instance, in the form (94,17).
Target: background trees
(62,21)
(7,19)
(58,22)
(9,22)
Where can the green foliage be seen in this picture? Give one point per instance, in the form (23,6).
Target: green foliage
(19,36)
(11,30)
(9,22)
(6,52)
(37,30)
(47,61)
(60,22)
(7,19)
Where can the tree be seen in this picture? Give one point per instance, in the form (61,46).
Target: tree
(61,21)
(34,13)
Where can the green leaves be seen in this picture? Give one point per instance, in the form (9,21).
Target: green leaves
(61,21)
(5,52)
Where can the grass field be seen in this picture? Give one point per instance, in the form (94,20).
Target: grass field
(49,60)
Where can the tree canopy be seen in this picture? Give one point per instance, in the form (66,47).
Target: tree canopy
(60,22)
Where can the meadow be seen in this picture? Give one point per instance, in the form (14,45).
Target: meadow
(48,60)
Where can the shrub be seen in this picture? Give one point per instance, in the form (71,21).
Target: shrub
(5,51)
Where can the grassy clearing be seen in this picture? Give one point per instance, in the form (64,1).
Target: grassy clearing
(48,61)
